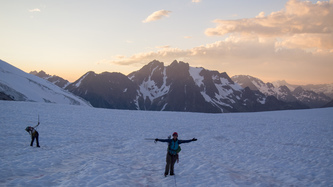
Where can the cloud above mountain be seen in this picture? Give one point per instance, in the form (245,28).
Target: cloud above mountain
(254,56)
(157,15)
(301,24)
(294,42)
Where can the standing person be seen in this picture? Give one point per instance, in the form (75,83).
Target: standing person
(173,150)
(34,134)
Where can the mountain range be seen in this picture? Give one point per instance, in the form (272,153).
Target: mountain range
(180,87)
(287,92)
(177,87)
(327,89)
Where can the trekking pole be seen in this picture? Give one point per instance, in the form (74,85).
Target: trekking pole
(38,122)
(151,139)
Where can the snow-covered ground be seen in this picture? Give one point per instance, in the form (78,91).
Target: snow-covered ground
(84,146)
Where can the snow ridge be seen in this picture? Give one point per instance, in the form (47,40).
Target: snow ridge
(27,87)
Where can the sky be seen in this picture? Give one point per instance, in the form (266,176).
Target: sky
(272,40)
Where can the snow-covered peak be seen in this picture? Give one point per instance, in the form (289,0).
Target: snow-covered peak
(22,86)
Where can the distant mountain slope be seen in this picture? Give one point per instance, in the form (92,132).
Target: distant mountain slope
(106,90)
(177,87)
(327,89)
(330,104)
(20,86)
(283,93)
(311,98)
(62,83)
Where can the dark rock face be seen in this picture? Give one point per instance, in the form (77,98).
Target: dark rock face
(106,90)
(4,96)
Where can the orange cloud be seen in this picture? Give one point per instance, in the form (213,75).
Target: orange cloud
(299,20)
(295,43)
(261,57)
(157,15)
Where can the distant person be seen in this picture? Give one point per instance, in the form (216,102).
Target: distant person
(34,134)
(173,150)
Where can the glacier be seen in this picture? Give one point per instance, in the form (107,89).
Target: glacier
(85,146)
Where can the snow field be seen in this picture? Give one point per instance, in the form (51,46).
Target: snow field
(84,146)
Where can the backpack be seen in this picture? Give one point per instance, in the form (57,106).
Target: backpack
(179,149)
(171,150)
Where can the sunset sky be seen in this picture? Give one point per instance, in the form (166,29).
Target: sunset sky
(272,40)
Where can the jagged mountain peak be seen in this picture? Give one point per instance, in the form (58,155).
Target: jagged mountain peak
(151,65)
(89,73)
(284,89)
(155,62)
(248,81)
(181,64)
(298,89)
(41,74)
(152,74)
(62,83)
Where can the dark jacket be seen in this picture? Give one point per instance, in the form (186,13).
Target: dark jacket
(32,130)
(173,145)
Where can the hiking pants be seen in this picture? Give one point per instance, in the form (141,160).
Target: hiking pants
(170,163)
(33,139)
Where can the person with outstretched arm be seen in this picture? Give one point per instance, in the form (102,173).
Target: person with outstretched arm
(173,150)
(34,134)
